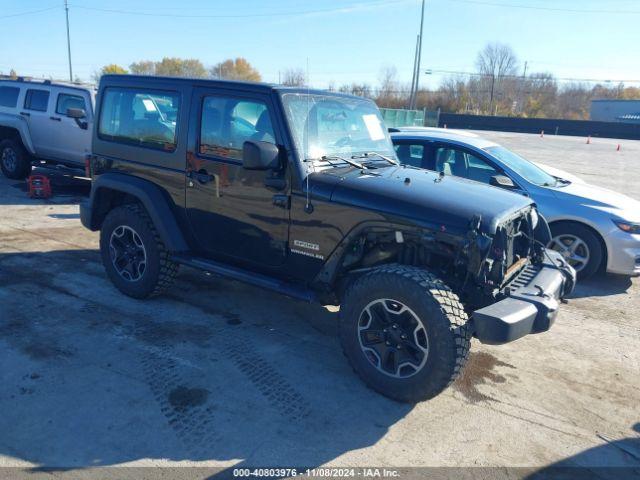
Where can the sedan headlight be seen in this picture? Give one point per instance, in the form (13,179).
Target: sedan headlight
(628,227)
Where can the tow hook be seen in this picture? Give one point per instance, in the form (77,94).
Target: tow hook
(541,292)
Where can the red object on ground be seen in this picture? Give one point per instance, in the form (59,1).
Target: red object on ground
(39,186)
(588,139)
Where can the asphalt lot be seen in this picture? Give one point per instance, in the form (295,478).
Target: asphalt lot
(221,374)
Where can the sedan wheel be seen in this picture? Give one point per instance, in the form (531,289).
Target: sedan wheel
(573,249)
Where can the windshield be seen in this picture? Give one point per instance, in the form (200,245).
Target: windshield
(331,125)
(522,167)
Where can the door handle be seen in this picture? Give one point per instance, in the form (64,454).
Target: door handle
(281,201)
(25,114)
(57,119)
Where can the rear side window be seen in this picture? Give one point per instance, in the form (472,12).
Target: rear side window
(410,154)
(9,96)
(140,117)
(37,100)
(227,123)
(66,101)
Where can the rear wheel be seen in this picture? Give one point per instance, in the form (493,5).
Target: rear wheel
(579,246)
(404,332)
(133,254)
(14,160)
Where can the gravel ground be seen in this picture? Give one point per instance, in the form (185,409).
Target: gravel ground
(222,374)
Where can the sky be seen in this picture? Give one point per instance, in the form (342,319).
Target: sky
(340,41)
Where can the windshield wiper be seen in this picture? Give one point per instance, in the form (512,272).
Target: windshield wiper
(368,154)
(331,158)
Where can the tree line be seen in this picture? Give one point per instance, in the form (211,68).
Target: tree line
(230,69)
(500,85)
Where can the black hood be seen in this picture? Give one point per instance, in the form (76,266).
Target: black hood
(421,196)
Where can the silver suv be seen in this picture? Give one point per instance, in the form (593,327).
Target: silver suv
(43,121)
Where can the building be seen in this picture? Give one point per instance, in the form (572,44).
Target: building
(606,110)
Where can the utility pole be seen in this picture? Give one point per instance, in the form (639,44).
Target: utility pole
(66,10)
(493,82)
(414,73)
(522,86)
(416,67)
(415,95)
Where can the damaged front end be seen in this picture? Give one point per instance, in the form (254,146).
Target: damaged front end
(513,283)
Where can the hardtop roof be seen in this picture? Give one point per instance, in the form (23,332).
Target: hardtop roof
(239,84)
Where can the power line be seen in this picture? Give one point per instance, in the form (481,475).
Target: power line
(31,12)
(344,8)
(548,9)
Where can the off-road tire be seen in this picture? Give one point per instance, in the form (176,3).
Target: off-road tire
(596,251)
(438,308)
(160,271)
(21,162)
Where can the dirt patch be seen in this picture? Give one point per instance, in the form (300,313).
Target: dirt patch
(479,371)
(182,398)
(36,345)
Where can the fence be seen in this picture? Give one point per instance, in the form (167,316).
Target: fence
(551,126)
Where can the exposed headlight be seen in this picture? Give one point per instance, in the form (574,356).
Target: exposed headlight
(534,218)
(628,227)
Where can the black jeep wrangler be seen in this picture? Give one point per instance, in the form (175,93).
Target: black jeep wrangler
(299,191)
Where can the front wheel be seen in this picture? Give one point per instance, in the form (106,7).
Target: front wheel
(579,246)
(405,332)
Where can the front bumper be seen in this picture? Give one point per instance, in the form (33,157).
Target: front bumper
(530,305)
(623,253)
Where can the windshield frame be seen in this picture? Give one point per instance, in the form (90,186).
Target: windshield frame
(298,140)
(508,163)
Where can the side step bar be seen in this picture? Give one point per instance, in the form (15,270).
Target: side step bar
(245,276)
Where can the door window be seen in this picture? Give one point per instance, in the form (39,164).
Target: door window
(145,118)
(9,96)
(66,101)
(37,100)
(410,154)
(226,123)
(458,162)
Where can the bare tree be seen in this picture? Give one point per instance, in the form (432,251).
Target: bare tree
(495,63)
(389,92)
(294,77)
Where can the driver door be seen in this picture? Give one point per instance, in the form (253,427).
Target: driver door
(234,212)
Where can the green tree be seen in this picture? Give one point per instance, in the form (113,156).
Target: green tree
(170,67)
(235,69)
(144,67)
(112,68)
(179,67)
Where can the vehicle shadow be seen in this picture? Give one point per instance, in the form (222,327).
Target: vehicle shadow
(602,285)
(67,189)
(212,371)
(615,459)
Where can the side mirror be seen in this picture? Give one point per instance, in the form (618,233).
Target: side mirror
(502,181)
(259,155)
(78,114)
